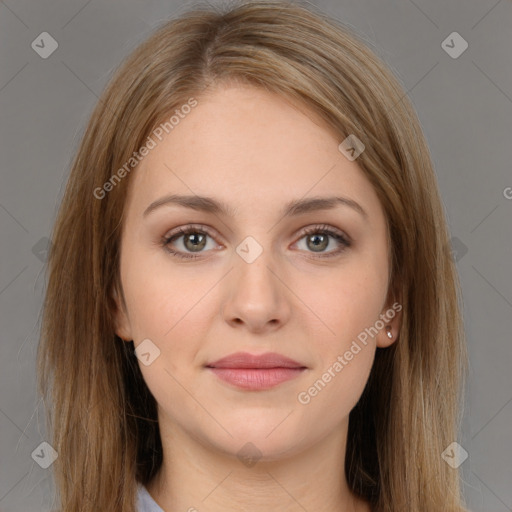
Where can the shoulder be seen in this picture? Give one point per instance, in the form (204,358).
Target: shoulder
(144,502)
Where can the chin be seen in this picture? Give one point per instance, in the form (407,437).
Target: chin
(258,449)
(264,440)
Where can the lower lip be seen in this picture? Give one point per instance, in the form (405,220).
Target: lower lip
(256,378)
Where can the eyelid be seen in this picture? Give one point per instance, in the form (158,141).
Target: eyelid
(324,227)
(214,233)
(343,240)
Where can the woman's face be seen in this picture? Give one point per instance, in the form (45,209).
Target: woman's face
(250,279)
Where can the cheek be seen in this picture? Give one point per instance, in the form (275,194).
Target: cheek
(171,307)
(344,349)
(346,300)
(157,294)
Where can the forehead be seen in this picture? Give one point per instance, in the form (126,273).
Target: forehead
(249,148)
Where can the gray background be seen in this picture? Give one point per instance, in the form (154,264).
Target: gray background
(464,105)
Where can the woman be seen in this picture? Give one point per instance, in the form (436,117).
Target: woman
(252,303)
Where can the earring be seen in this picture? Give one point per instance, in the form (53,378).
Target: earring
(388,328)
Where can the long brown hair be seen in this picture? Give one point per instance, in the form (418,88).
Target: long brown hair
(101,415)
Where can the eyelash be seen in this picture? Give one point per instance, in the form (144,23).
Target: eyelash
(186,230)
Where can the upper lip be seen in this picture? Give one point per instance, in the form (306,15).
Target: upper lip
(246,360)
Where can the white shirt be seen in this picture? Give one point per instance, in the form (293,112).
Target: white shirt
(145,503)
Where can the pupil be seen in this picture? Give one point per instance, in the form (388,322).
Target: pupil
(195,242)
(316,238)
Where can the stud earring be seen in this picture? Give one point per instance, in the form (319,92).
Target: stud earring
(388,328)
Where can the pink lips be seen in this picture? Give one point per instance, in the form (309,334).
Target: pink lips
(256,372)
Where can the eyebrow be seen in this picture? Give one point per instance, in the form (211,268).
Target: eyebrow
(292,208)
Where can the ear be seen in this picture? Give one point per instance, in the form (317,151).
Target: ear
(121,322)
(392,318)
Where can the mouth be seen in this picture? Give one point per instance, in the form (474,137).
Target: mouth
(256,372)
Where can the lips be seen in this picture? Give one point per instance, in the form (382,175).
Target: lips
(243,360)
(255,372)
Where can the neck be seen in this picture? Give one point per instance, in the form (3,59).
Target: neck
(195,478)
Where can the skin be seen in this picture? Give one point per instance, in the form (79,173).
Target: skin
(254,151)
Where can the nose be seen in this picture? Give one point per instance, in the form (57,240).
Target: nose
(257,295)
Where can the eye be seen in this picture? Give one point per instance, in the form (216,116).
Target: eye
(317,239)
(194,240)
